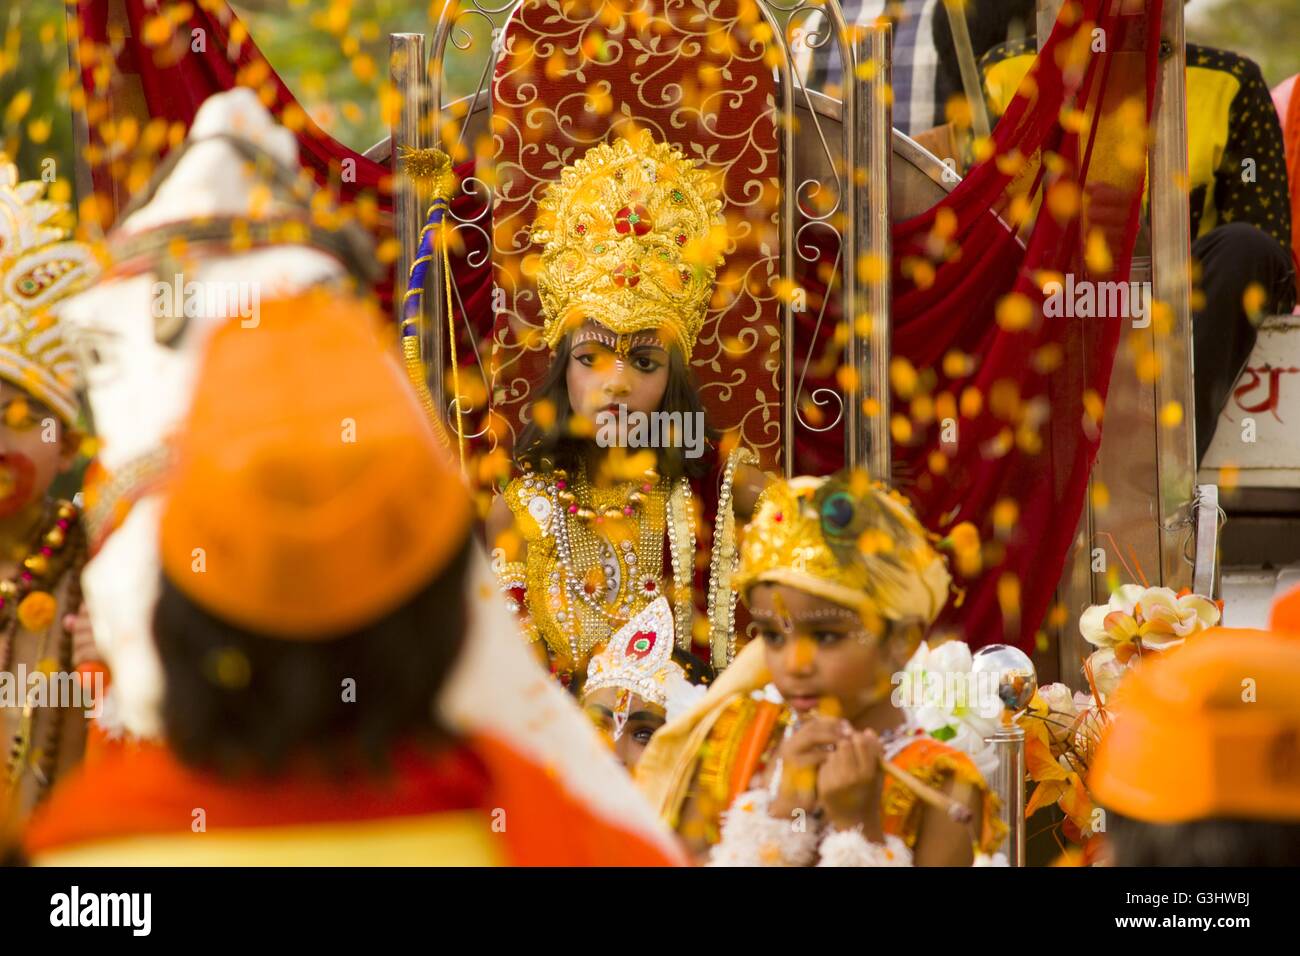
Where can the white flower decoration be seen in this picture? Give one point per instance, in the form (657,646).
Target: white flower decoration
(1157,618)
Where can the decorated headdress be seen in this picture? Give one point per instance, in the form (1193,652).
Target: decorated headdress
(639,659)
(849,540)
(630,237)
(37,268)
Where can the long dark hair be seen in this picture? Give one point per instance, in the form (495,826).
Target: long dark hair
(241,702)
(544,449)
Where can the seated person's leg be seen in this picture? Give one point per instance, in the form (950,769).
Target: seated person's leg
(1232,258)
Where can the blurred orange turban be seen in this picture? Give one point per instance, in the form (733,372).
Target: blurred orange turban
(310,496)
(1210,729)
(1284,616)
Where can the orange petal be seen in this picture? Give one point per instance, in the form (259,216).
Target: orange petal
(1035,729)
(1044,795)
(1124,651)
(1040,762)
(1076,803)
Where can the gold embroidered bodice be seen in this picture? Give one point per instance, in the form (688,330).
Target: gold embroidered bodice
(595,558)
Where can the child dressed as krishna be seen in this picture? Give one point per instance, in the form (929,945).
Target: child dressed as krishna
(592,532)
(798,755)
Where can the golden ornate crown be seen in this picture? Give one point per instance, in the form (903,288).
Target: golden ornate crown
(846,539)
(631,236)
(37,268)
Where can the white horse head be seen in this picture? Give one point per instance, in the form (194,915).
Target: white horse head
(138,332)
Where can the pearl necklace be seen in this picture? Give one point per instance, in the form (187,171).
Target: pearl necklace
(602,584)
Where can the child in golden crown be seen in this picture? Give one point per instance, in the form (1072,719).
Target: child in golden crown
(42,636)
(591,533)
(799,755)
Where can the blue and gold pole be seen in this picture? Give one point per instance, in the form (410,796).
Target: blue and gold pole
(431,167)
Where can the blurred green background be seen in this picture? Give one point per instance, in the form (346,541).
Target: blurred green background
(332,53)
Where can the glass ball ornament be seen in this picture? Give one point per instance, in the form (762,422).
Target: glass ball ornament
(1017,681)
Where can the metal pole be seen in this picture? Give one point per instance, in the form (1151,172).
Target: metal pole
(80,130)
(406,70)
(869,112)
(1009,784)
(1171,265)
(1205,572)
(970,73)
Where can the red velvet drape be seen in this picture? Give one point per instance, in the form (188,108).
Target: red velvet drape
(1025,404)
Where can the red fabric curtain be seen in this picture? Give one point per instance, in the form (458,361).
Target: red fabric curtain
(1083,116)
(996,412)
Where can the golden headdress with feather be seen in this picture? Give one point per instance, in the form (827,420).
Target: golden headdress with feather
(37,268)
(847,539)
(631,236)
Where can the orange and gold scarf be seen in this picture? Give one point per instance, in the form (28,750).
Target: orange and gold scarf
(142,794)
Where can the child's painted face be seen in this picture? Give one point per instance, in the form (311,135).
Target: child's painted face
(33,449)
(817,649)
(644,718)
(607,370)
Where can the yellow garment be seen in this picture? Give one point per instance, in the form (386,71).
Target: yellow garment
(462,838)
(1209,102)
(668,764)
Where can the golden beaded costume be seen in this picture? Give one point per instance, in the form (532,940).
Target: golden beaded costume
(631,235)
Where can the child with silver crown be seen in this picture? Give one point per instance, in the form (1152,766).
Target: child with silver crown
(640,681)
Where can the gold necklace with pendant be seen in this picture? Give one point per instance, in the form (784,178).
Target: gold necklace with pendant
(609,545)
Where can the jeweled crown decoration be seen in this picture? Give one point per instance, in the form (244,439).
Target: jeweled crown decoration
(630,237)
(37,268)
(639,657)
(849,540)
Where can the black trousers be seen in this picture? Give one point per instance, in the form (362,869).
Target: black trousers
(1232,257)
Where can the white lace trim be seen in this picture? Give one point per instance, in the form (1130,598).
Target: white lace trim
(751,837)
(851,848)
